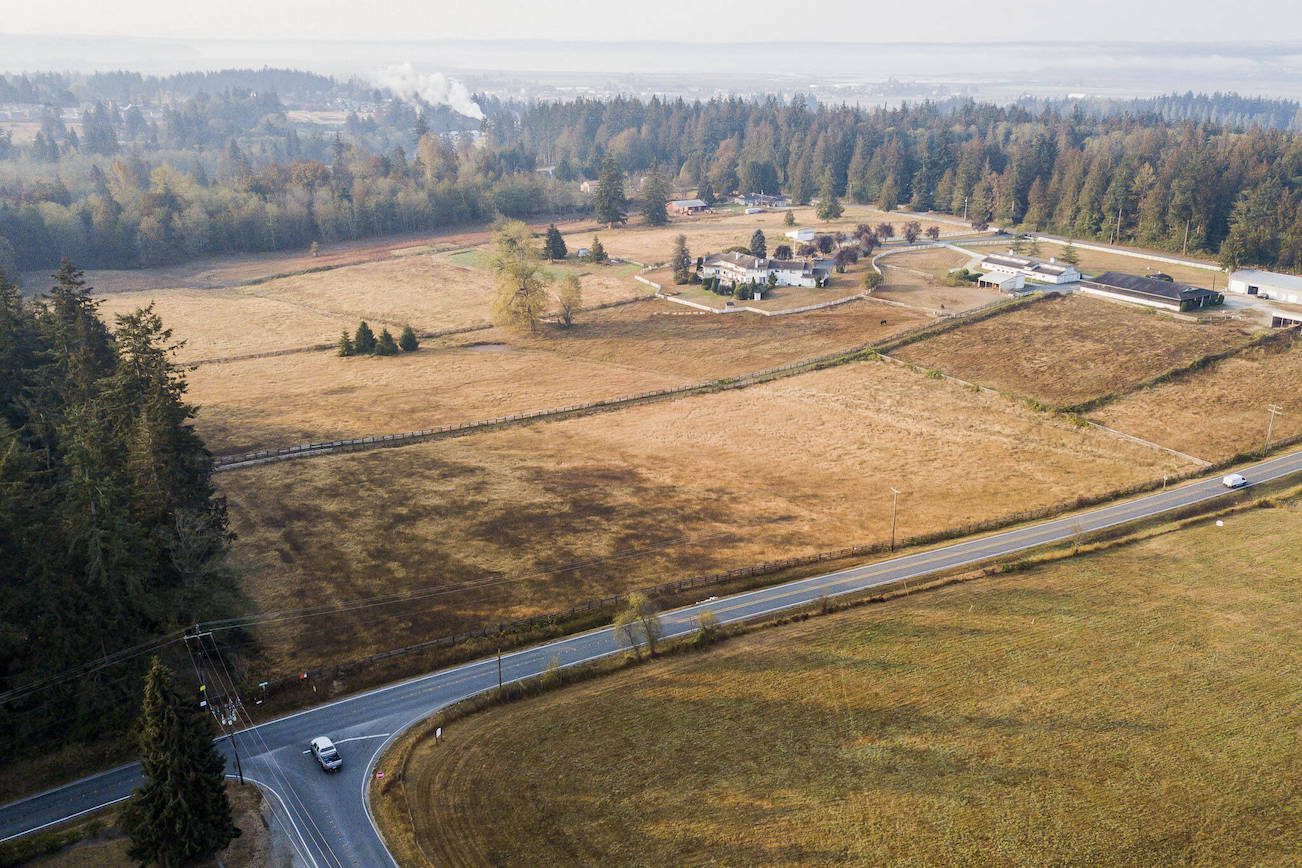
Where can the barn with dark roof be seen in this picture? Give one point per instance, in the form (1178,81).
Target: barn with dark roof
(1150,291)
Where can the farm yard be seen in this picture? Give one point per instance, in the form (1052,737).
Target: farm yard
(1063,715)
(536,518)
(1219,411)
(1062,351)
(917,278)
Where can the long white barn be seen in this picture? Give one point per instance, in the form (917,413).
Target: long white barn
(1268,284)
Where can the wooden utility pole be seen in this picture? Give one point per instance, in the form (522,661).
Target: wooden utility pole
(499,670)
(1274,410)
(895,500)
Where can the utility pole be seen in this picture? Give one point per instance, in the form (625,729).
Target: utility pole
(965,209)
(499,671)
(895,500)
(1274,410)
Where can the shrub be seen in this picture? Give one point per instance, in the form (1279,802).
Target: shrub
(386,345)
(407,340)
(708,630)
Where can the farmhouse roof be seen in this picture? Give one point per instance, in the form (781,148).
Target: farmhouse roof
(1024,263)
(1151,286)
(688,203)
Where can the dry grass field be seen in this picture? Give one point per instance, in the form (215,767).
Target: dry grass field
(1095,262)
(917,278)
(1220,411)
(1133,707)
(1066,350)
(430,291)
(256,403)
(543,516)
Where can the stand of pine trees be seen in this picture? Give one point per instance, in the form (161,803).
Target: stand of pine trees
(111,532)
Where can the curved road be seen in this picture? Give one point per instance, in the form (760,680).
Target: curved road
(327,815)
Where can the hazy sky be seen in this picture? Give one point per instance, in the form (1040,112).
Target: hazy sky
(701,21)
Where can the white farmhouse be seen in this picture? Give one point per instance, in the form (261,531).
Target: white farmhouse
(1267,284)
(1032,269)
(804,235)
(735,268)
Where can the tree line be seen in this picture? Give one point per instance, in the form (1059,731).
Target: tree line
(111,531)
(1127,177)
(1119,176)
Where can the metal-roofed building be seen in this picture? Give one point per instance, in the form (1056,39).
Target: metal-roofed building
(1267,284)
(1150,291)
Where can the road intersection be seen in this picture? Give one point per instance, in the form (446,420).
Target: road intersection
(327,816)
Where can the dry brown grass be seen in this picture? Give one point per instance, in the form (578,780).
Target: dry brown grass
(917,278)
(1220,411)
(108,848)
(635,348)
(552,514)
(1137,706)
(1064,351)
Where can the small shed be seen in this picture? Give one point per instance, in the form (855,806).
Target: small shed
(1002,281)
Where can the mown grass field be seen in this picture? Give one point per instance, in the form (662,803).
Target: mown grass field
(1220,411)
(257,403)
(1137,706)
(534,519)
(1062,351)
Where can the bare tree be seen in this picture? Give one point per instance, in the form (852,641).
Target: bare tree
(570,298)
(638,623)
(521,295)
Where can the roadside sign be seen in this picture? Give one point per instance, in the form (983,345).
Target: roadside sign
(379,774)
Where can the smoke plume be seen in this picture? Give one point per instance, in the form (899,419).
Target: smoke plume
(434,88)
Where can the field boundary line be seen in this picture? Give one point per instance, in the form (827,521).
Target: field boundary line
(384,441)
(425,335)
(1149,443)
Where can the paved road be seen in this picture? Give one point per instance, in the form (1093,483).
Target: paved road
(327,814)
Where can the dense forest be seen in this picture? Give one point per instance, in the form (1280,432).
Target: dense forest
(231,173)
(111,532)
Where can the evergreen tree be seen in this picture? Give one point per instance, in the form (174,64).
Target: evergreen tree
(386,345)
(681,261)
(407,340)
(180,814)
(1069,254)
(758,245)
(655,208)
(346,347)
(554,245)
(609,204)
(829,207)
(789,219)
(705,192)
(364,339)
(598,251)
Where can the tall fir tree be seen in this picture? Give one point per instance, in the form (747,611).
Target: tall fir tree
(180,814)
(609,204)
(829,206)
(364,339)
(656,196)
(554,245)
(759,247)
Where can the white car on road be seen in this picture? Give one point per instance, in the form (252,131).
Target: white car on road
(1234,480)
(326,754)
